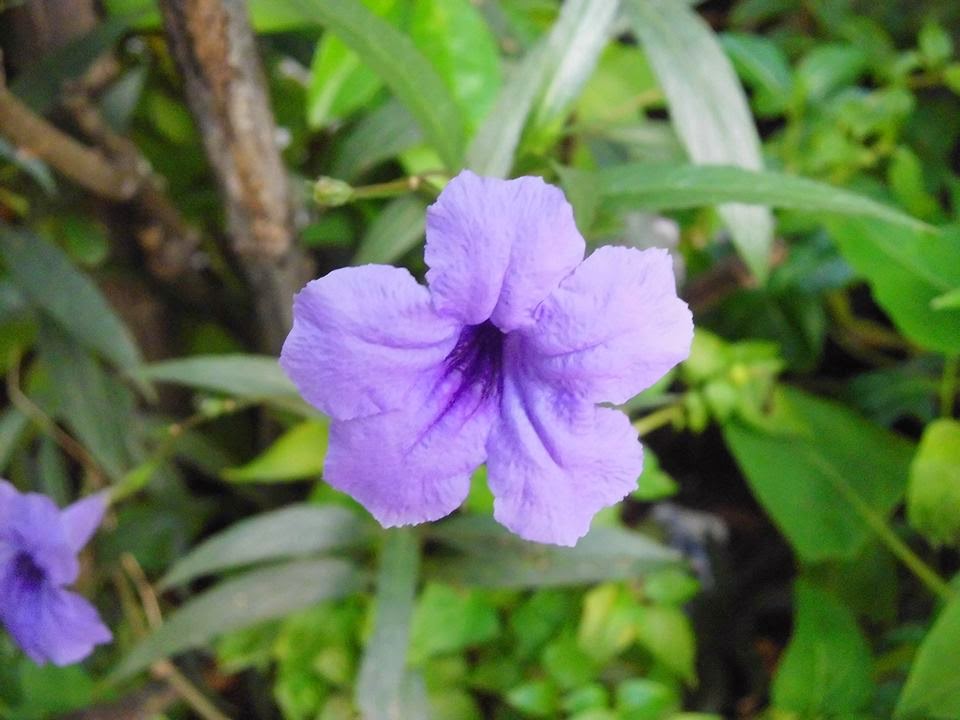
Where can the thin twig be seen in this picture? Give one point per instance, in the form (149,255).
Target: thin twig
(165,669)
(46,424)
(668,414)
(85,166)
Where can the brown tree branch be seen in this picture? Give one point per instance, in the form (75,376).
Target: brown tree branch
(214,48)
(85,166)
(113,167)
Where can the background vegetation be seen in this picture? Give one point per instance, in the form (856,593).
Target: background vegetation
(791,547)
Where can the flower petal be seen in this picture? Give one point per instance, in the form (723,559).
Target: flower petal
(361,337)
(554,460)
(7,493)
(496,248)
(413,464)
(614,326)
(34,528)
(81,520)
(53,625)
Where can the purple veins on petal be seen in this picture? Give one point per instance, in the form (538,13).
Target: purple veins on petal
(38,548)
(502,358)
(478,359)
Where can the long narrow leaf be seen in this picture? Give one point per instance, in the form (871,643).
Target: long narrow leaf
(379,692)
(577,62)
(393,56)
(395,231)
(293,531)
(379,136)
(558,64)
(251,377)
(708,108)
(244,601)
(673,187)
(492,557)
(46,276)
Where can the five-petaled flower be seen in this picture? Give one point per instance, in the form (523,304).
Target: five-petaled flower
(504,358)
(38,559)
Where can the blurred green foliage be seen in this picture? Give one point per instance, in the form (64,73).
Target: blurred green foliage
(789,550)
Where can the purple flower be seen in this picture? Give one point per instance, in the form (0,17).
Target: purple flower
(503,359)
(38,558)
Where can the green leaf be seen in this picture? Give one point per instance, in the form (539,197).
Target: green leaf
(53,478)
(536,697)
(539,618)
(905,175)
(452,34)
(48,690)
(12,425)
(395,230)
(622,72)
(665,632)
(96,407)
(256,596)
(47,277)
(380,135)
(867,584)
(590,697)
(829,67)
(289,532)
(574,67)
(495,144)
(932,691)
(948,301)
(379,690)
(933,495)
(671,586)
(144,13)
(708,109)
(567,664)
(297,454)
(654,482)
(826,670)
(821,488)
(951,77)
(674,187)
(396,60)
(38,170)
(493,557)
(84,239)
(340,82)
(762,65)
(935,43)
(608,624)
(583,193)
(255,377)
(646,699)
(907,270)
(447,620)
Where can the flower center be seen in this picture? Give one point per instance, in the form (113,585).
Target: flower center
(478,357)
(27,574)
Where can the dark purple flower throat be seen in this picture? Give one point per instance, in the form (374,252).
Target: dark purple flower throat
(478,357)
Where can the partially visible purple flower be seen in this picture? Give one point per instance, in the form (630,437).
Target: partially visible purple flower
(38,559)
(503,359)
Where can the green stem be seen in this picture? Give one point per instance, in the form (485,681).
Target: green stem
(393,188)
(331,192)
(948,385)
(658,418)
(138,478)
